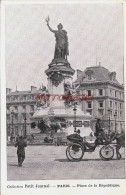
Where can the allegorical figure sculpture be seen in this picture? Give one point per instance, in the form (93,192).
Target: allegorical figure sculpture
(61,47)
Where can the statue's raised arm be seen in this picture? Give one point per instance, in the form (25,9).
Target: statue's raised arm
(47,21)
(50,28)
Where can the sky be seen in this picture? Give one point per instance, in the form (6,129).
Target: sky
(95,34)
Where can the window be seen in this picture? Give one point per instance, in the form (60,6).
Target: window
(24,108)
(33,98)
(116,105)
(28,97)
(8,108)
(8,117)
(115,93)
(120,106)
(16,109)
(16,99)
(100,91)
(120,114)
(24,98)
(110,103)
(32,108)
(116,113)
(110,92)
(16,116)
(89,105)
(89,77)
(12,98)
(101,104)
(101,112)
(21,98)
(23,115)
(89,92)
(120,95)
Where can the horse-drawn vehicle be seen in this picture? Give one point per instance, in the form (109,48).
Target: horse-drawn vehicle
(78,146)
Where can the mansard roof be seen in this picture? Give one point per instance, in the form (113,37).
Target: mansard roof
(98,73)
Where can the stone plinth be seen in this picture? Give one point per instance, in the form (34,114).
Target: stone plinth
(59,73)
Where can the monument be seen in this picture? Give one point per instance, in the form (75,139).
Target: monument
(60,75)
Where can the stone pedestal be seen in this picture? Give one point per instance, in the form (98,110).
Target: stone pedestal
(58,73)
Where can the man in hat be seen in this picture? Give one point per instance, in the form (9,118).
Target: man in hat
(78,135)
(98,128)
(99,133)
(21,144)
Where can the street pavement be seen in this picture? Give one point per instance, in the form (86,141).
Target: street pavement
(50,162)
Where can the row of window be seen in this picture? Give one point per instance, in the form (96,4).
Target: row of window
(20,98)
(116,94)
(117,105)
(18,117)
(101,112)
(16,109)
(89,104)
(112,93)
(100,91)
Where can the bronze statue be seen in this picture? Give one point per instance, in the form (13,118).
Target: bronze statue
(61,47)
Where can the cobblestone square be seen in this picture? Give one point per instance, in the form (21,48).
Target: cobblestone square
(50,163)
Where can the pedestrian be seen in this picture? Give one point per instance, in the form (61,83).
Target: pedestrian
(21,144)
(17,138)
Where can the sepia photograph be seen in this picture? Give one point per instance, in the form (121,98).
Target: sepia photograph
(64,66)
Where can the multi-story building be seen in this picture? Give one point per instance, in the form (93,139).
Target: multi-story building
(108,96)
(20,106)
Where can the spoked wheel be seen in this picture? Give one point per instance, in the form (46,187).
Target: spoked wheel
(75,152)
(106,152)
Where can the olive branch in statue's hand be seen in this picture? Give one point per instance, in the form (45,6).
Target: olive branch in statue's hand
(47,20)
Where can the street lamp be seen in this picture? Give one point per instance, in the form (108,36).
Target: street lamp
(25,119)
(115,116)
(12,114)
(109,111)
(75,109)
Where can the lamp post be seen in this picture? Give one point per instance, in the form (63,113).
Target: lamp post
(12,114)
(75,109)
(109,111)
(115,115)
(25,119)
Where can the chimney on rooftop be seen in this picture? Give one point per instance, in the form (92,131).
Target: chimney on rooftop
(33,88)
(8,91)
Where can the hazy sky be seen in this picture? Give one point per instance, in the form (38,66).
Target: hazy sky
(95,33)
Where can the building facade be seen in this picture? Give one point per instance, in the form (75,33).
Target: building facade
(20,107)
(108,96)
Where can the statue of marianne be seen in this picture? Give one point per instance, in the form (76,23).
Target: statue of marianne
(61,47)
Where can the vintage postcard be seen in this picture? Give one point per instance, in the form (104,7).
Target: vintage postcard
(63,97)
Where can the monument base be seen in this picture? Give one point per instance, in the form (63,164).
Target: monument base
(68,116)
